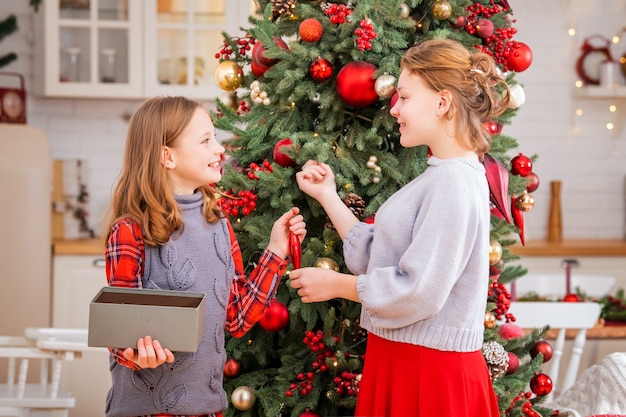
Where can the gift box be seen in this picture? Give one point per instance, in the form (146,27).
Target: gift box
(120,316)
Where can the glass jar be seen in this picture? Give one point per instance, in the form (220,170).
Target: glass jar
(107,69)
(70,64)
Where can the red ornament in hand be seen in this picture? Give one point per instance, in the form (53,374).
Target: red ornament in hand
(276,317)
(542,347)
(520,57)
(321,70)
(295,250)
(541,384)
(356,85)
(279,157)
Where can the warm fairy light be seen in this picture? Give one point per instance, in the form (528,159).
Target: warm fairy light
(579,84)
(610,126)
(571,32)
(615,39)
(612,108)
(579,112)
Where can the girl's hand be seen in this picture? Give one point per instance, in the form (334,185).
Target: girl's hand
(320,284)
(149,353)
(279,237)
(317,180)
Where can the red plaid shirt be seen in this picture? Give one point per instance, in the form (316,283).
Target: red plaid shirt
(125,253)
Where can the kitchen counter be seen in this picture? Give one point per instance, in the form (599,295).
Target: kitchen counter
(578,247)
(78,247)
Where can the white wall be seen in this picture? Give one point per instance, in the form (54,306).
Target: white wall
(591,163)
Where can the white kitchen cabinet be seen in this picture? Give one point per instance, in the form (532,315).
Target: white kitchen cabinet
(76,280)
(133,49)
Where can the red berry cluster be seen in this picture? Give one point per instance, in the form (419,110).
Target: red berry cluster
(315,342)
(337,13)
(240,203)
(364,35)
(243,108)
(244,44)
(347,383)
(253,168)
(527,407)
(499,294)
(499,44)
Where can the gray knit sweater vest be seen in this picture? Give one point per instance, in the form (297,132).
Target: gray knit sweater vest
(198,259)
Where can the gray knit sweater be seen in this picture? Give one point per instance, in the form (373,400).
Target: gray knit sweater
(199,260)
(423,265)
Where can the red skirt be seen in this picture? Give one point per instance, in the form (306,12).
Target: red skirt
(405,380)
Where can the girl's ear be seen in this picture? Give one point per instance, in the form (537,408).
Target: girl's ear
(445,101)
(167,158)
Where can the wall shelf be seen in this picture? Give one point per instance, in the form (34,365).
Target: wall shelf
(594,91)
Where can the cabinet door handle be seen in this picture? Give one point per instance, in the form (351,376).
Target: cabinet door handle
(99,263)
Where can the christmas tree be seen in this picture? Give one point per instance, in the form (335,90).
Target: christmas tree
(316,80)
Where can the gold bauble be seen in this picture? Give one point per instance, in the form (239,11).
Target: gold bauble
(229,99)
(490,320)
(495,252)
(441,9)
(405,11)
(228,75)
(326,263)
(243,398)
(525,202)
(385,85)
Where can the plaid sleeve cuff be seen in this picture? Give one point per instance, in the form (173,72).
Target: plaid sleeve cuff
(273,263)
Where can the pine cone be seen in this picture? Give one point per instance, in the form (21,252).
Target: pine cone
(497,359)
(356,204)
(282,7)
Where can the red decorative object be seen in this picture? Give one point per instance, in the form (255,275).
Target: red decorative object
(518,219)
(232,368)
(321,70)
(461,21)
(356,84)
(309,413)
(13,101)
(498,180)
(258,69)
(513,363)
(364,35)
(588,63)
(276,317)
(295,250)
(543,347)
(311,30)
(521,165)
(279,157)
(520,57)
(571,298)
(337,13)
(533,182)
(258,56)
(509,331)
(484,28)
(541,384)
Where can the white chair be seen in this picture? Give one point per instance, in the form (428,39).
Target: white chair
(46,398)
(562,316)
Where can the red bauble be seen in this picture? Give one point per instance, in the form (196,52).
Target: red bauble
(258,69)
(321,70)
(513,363)
(521,165)
(356,84)
(484,28)
(571,298)
(311,30)
(276,317)
(541,384)
(460,23)
(543,347)
(520,57)
(309,413)
(232,368)
(394,99)
(533,182)
(258,55)
(279,157)
(509,331)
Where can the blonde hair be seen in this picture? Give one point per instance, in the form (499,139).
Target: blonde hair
(142,191)
(472,80)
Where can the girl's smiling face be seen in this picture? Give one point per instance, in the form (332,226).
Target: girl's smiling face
(417,111)
(195,158)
